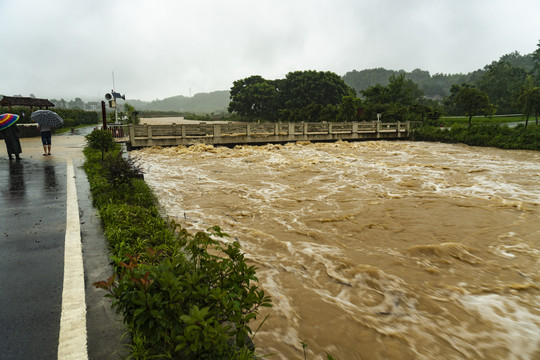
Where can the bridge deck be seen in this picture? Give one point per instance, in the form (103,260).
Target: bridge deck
(255,133)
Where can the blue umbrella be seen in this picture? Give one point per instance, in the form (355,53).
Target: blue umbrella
(47,118)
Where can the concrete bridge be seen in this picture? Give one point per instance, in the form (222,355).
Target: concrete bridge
(258,133)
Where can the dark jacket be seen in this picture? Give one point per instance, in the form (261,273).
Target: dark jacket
(11,137)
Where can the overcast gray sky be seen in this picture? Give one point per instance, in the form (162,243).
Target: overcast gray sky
(162,48)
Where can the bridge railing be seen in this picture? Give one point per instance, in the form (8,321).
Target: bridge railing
(119,131)
(236,132)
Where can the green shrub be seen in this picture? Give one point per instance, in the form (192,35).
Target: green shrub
(69,123)
(121,171)
(100,140)
(197,308)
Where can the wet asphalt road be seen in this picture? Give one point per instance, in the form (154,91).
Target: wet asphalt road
(32,241)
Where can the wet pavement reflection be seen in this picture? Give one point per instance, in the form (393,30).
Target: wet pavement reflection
(33,194)
(16,179)
(32,209)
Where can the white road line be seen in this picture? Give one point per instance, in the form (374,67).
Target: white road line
(72,340)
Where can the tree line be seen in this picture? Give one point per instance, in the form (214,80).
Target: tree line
(509,85)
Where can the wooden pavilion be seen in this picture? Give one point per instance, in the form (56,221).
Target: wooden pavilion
(30,102)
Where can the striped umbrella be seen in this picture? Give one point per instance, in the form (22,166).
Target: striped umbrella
(47,118)
(6,120)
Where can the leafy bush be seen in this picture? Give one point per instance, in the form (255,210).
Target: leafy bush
(100,140)
(69,123)
(198,308)
(121,171)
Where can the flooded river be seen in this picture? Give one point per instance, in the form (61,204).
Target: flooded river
(374,250)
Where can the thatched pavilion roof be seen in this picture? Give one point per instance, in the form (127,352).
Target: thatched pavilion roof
(10,101)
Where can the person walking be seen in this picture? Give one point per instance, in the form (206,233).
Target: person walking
(46,139)
(13,145)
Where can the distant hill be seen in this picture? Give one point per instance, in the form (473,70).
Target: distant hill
(436,86)
(201,103)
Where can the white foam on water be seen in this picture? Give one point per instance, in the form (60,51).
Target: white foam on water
(515,326)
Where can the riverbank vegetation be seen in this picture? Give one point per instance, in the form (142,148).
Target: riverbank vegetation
(495,135)
(181,295)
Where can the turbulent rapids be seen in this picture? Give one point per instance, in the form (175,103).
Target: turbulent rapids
(374,250)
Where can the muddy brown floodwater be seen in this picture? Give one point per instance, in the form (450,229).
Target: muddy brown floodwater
(374,250)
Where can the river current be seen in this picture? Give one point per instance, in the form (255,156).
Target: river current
(373,250)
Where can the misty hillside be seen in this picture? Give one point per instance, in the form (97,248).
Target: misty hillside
(202,103)
(436,86)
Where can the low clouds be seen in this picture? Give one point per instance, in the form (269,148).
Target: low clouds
(162,48)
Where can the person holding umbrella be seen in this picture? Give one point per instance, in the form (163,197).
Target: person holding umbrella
(46,120)
(11,134)
(46,139)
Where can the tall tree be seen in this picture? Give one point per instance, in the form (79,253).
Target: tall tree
(301,96)
(536,65)
(529,100)
(254,97)
(348,108)
(502,82)
(132,115)
(392,101)
(302,88)
(472,101)
(398,91)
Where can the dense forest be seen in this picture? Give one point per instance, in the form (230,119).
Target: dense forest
(201,103)
(436,86)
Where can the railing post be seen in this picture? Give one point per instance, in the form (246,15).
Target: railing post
(305,128)
(354,127)
(276,129)
(378,129)
(217,130)
(248,129)
(183,130)
(174,129)
(291,129)
(398,129)
(149,132)
(330,128)
(131,134)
